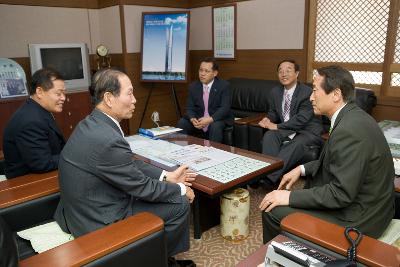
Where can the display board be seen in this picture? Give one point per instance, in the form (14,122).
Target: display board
(164,46)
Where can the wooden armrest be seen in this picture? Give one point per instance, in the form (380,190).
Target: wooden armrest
(1,155)
(397,184)
(250,119)
(29,191)
(96,244)
(26,179)
(371,252)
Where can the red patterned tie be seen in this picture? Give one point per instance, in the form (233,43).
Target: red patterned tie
(206,94)
(286,106)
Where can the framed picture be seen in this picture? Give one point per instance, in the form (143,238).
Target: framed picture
(164,46)
(224,31)
(12,79)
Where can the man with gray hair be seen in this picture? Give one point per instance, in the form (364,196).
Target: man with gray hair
(100,183)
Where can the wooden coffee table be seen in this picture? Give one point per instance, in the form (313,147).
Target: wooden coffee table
(206,210)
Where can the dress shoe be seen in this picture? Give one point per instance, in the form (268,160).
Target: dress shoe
(172,262)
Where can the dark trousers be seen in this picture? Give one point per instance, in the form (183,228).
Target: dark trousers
(214,133)
(176,222)
(8,246)
(291,151)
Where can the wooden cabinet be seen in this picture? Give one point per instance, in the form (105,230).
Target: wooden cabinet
(76,107)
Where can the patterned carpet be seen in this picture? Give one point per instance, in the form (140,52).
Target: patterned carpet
(213,250)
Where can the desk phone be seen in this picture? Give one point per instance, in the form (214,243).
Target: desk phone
(292,253)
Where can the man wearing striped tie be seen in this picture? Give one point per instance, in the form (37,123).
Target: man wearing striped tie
(208,106)
(290,121)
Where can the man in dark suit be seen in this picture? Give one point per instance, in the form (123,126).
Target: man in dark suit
(100,183)
(351,184)
(290,121)
(208,107)
(32,141)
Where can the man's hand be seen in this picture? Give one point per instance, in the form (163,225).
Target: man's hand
(290,178)
(263,122)
(205,121)
(196,123)
(181,175)
(190,194)
(267,124)
(275,198)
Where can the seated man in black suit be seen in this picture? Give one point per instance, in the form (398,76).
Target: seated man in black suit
(208,108)
(32,141)
(290,121)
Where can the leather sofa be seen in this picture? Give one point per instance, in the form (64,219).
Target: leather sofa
(138,240)
(250,104)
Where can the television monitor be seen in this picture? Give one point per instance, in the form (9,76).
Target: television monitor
(164,46)
(71,60)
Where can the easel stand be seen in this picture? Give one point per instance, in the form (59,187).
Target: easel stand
(174,99)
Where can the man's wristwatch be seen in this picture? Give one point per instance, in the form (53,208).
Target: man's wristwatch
(164,178)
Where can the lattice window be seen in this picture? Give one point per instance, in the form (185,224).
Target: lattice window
(396,58)
(351,31)
(364,77)
(395,79)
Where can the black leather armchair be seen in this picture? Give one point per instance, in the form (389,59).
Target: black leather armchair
(136,241)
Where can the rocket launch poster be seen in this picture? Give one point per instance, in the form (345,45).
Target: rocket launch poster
(164,46)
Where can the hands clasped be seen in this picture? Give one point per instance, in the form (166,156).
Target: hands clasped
(201,122)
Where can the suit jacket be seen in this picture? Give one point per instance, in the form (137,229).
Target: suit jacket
(219,103)
(32,141)
(100,181)
(353,178)
(302,118)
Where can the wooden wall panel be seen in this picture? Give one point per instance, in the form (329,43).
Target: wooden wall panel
(54,3)
(384,112)
(257,64)
(201,3)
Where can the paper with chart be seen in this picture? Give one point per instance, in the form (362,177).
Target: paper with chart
(211,162)
(151,148)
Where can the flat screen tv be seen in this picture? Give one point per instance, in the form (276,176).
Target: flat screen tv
(70,59)
(164,46)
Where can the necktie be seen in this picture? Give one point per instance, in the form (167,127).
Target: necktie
(286,106)
(206,94)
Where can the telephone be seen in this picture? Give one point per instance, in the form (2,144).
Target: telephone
(298,252)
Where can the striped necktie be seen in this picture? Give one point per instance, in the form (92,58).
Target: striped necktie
(286,106)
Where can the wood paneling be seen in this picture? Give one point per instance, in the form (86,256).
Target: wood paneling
(257,64)
(201,3)
(54,3)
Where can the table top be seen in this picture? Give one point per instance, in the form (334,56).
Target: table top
(213,187)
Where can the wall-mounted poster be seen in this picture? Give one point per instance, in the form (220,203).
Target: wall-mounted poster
(12,79)
(165,46)
(224,31)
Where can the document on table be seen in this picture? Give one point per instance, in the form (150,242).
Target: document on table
(211,162)
(198,157)
(152,149)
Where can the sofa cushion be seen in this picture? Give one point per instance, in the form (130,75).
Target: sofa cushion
(250,96)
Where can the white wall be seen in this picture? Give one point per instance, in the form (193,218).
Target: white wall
(21,25)
(261,24)
(133,24)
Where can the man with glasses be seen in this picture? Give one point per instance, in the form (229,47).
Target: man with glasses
(290,122)
(208,106)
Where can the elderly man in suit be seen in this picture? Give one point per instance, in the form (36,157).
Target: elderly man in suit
(32,141)
(351,184)
(290,121)
(208,108)
(101,183)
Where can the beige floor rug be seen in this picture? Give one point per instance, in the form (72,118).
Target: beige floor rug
(213,250)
